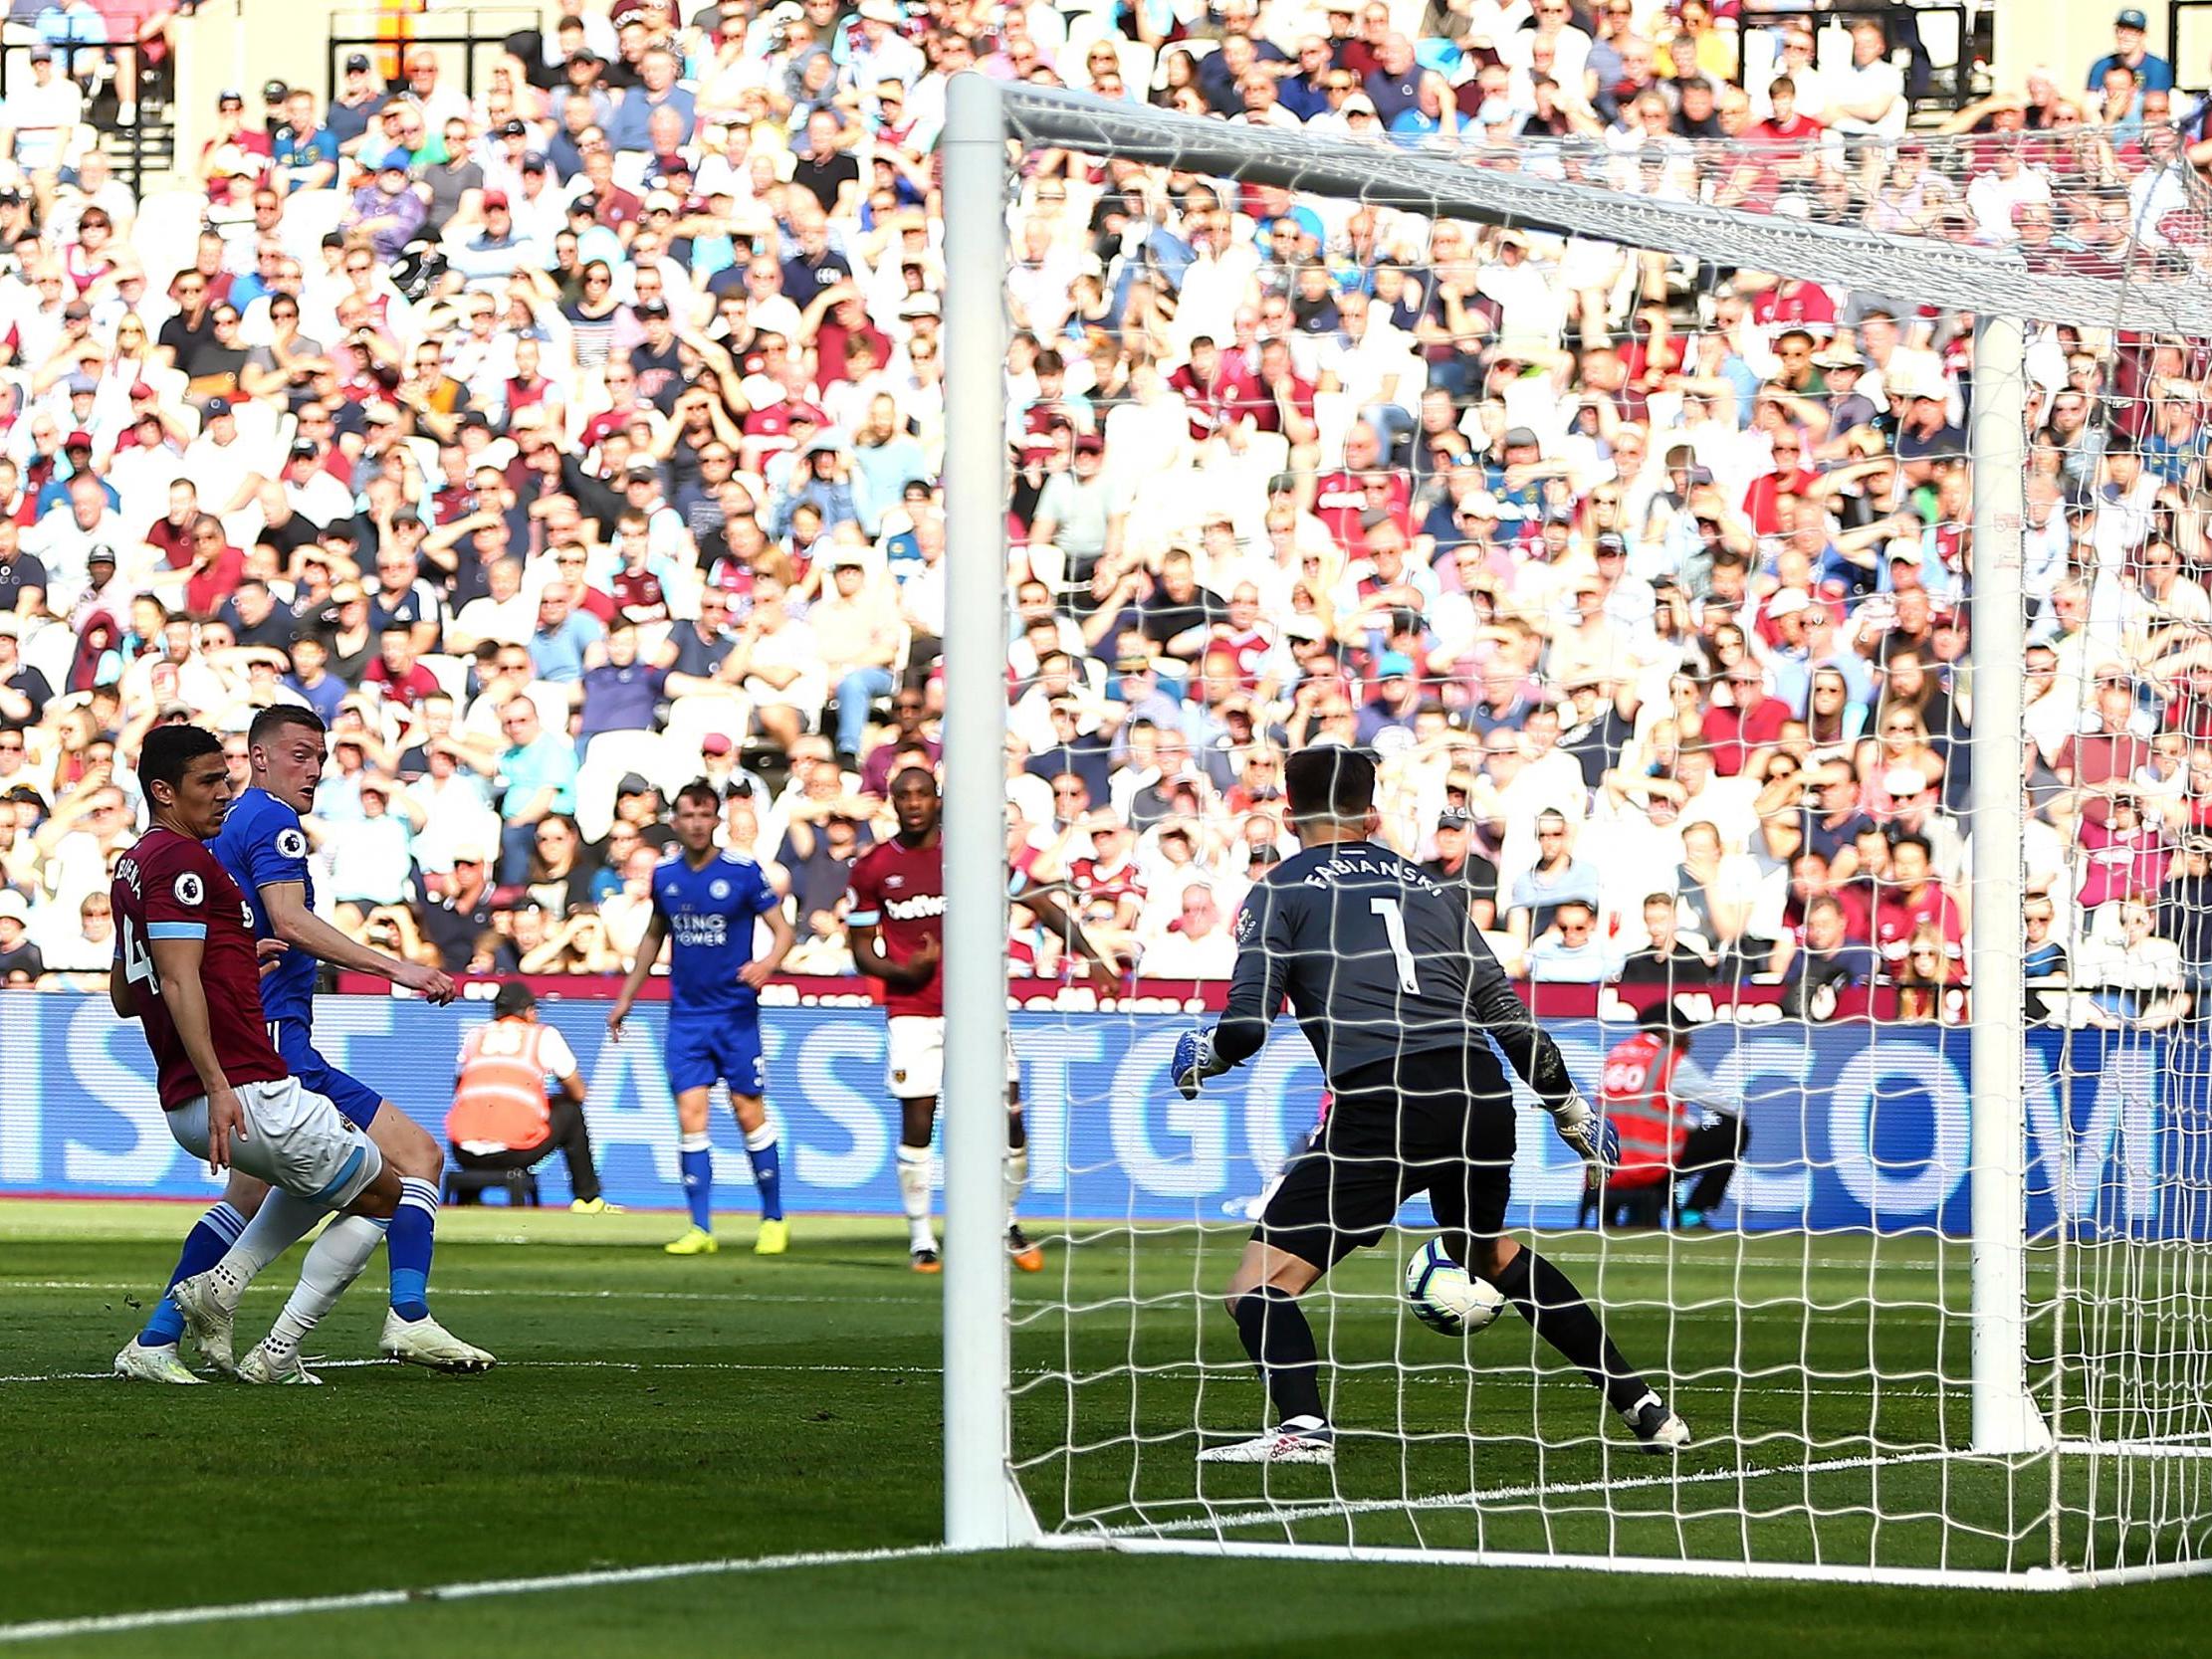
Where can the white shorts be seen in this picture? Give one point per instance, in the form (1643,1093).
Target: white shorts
(295,1139)
(914,1057)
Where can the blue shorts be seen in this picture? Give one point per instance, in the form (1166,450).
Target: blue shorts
(702,1051)
(356,1101)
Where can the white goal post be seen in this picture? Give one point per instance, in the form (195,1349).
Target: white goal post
(2008,1436)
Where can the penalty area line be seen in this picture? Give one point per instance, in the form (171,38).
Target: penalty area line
(159,1618)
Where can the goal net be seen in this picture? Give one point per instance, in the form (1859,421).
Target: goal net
(1768,572)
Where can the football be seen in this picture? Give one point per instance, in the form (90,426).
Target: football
(1446,1296)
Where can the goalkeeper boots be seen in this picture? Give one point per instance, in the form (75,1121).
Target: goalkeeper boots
(139,1363)
(1656,1426)
(924,1259)
(1021,1252)
(1298,1440)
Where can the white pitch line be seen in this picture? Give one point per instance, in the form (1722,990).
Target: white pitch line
(319,1365)
(1508,1493)
(515,1292)
(160,1618)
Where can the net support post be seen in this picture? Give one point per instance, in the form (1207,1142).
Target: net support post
(2005,1419)
(983,1508)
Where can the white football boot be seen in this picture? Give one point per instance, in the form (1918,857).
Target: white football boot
(424,1342)
(207,1319)
(1300,1440)
(260,1365)
(139,1363)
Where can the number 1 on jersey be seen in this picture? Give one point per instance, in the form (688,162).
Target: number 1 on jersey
(1393,924)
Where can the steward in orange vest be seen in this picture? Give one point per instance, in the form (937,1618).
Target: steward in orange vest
(1673,1120)
(502,1117)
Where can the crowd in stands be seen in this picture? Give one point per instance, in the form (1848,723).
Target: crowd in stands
(564,441)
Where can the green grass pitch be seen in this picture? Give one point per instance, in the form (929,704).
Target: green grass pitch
(655,1411)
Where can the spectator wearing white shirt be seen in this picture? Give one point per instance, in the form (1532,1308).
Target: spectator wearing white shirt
(1195,944)
(372,856)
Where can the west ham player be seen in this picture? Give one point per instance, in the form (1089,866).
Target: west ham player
(265,848)
(1403,1002)
(897,927)
(186,970)
(707,901)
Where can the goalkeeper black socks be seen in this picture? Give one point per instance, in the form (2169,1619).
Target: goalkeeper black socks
(1275,1334)
(1548,1300)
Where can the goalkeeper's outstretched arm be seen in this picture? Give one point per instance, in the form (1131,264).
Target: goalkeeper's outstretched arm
(1255,995)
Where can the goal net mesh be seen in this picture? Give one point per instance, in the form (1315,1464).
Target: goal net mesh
(1616,492)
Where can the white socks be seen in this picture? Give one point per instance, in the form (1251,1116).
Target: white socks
(283,1221)
(914,1190)
(914,1195)
(333,1263)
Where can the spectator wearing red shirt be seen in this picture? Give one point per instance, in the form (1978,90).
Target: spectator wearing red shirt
(1277,401)
(2110,749)
(1790,477)
(1750,722)
(1208,384)
(2126,857)
(1780,152)
(1791,301)
(215,568)
(172,534)
(397,672)
(1909,899)
(1343,498)
(1109,890)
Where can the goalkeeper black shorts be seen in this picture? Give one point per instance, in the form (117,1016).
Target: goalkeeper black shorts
(1422,1130)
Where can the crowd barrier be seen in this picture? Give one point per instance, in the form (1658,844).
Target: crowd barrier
(1854,1125)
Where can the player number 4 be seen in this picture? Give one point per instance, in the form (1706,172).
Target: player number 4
(1393,924)
(137,964)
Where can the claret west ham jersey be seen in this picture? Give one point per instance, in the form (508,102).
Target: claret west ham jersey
(169,885)
(900,891)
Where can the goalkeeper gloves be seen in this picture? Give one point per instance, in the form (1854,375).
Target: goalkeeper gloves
(1595,1140)
(1195,1061)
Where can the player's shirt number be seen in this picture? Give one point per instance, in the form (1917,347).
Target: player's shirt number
(137,962)
(1393,924)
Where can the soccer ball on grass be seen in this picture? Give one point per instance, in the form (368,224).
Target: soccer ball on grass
(1446,1296)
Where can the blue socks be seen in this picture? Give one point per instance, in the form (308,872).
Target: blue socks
(409,1242)
(697,1160)
(767,1170)
(205,1245)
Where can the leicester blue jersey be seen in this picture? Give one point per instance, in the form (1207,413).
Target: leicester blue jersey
(262,842)
(709,914)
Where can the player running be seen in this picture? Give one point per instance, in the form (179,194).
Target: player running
(707,901)
(897,929)
(1397,992)
(186,969)
(264,847)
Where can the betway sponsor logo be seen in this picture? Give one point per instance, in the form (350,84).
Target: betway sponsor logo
(914,909)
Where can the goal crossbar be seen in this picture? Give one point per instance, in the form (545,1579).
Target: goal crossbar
(1455,183)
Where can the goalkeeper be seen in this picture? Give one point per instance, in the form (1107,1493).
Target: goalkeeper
(1407,1011)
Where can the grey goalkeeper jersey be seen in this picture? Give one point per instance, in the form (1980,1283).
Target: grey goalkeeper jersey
(1377,962)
